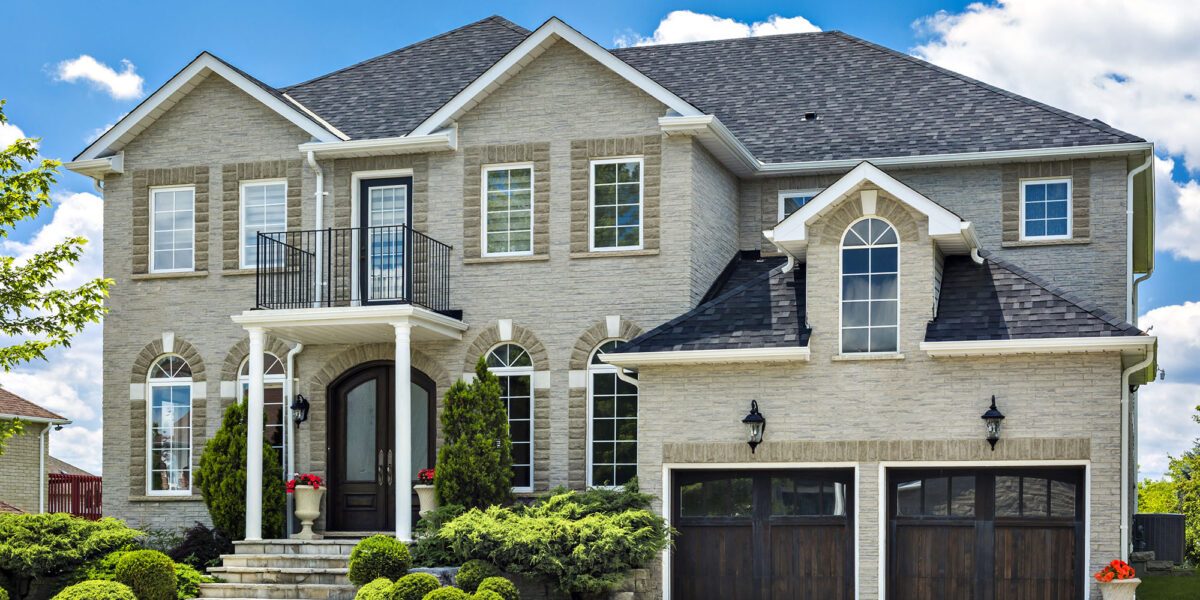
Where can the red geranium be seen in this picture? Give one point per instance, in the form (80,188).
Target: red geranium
(305,479)
(1117,569)
(425,476)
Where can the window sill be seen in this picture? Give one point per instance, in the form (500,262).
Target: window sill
(192,498)
(1035,243)
(484,260)
(615,253)
(238,272)
(865,356)
(179,275)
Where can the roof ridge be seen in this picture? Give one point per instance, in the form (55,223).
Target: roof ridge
(494,18)
(1093,123)
(728,40)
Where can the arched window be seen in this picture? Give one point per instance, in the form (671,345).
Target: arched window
(513,366)
(612,421)
(169,428)
(274,374)
(870,287)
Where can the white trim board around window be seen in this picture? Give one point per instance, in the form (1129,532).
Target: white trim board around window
(176,247)
(508,193)
(177,380)
(806,195)
(617,186)
(873,241)
(1045,221)
(263,189)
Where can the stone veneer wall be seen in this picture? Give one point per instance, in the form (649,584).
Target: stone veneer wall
(19,466)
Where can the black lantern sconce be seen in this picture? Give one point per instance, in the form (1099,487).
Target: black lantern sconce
(756,423)
(300,409)
(992,419)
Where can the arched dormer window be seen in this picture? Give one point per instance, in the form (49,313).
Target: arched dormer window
(514,368)
(169,427)
(870,287)
(274,374)
(612,422)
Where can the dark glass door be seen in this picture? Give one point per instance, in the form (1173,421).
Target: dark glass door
(384,213)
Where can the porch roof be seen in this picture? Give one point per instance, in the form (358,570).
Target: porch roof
(352,324)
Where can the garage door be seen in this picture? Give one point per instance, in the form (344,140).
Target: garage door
(995,534)
(763,535)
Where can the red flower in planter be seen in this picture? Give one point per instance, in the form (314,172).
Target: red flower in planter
(1115,570)
(425,476)
(304,479)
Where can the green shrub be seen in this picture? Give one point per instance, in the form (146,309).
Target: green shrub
(474,465)
(428,549)
(473,572)
(378,556)
(3,594)
(188,581)
(486,595)
(201,547)
(377,589)
(97,590)
(501,586)
(595,500)
(447,593)
(221,479)
(149,573)
(413,586)
(45,546)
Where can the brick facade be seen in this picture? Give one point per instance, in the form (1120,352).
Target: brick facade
(19,466)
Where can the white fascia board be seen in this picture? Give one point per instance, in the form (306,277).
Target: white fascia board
(713,134)
(517,58)
(25,419)
(704,357)
(97,168)
(197,68)
(1143,343)
(445,140)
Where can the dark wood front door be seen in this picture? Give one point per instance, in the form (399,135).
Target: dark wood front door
(998,534)
(763,535)
(362,454)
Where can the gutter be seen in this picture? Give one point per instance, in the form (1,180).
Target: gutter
(1126,392)
(445,140)
(97,168)
(319,198)
(1131,283)
(289,431)
(1132,343)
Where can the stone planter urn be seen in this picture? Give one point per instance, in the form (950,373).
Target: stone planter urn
(427,498)
(1119,589)
(308,508)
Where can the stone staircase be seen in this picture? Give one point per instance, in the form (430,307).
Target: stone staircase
(284,570)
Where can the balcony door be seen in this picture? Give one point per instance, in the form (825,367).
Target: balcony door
(384,212)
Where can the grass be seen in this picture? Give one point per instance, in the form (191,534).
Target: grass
(1169,588)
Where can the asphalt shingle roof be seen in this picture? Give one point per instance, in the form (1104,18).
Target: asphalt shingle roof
(12,404)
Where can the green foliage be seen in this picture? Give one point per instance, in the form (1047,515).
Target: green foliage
(447,593)
(149,573)
(49,545)
(500,586)
(413,586)
(188,581)
(9,429)
(486,595)
(473,572)
(222,479)
(1157,496)
(1169,588)
(428,548)
(378,556)
(594,500)
(3,594)
(1184,473)
(474,466)
(377,589)
(97,590)
(201,547)
(561,541)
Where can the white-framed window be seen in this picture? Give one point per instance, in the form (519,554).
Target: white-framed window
(791,201)
(1046,209)
(512,365)
(274,375)
(615,213)
(612,421)
(870,287)
(172,229)
(508,210)
(169,428)
(263,208)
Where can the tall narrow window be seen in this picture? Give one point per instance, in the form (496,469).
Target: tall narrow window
(792,201)
(512,365)
(264,208)
(508,210)
(870,287)
(169,428)
(616,221)
(173,230)
(274,374)
(612,422)
(1046,209)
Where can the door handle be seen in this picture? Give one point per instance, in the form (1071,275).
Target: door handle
(379,469)
(389,468)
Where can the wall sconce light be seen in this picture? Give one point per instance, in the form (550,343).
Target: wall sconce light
(757,423)
(300,409)
(992,419)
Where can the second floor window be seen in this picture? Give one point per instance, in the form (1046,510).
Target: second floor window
(264,208)
(616,207)
(173,229)
(1046,209)
(514,368)
(870,287)
(508,210)
(792,201)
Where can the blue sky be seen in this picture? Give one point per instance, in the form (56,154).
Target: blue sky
(1052,50)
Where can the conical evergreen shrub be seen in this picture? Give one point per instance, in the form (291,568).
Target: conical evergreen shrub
(221,479)
(474,466)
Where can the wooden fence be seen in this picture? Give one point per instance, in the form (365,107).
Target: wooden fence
(78,495)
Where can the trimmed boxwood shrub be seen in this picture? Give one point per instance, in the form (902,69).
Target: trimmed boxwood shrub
(187,581)
(473,572)
(447,593)
(149,573)
(375,590)
(413,586)
(97,590)
(378,556)
(487,595)
(505,588)
(47,546)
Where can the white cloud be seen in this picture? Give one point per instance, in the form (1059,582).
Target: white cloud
(74,214)
(125,85)
(1178,331)
(80,446)
(1178,216)
(1165,426)
(687,26)
(9,133)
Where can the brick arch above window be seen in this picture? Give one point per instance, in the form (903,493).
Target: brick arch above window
(240,350)
(145,359)
(581,352)
(490,337)
(907,222)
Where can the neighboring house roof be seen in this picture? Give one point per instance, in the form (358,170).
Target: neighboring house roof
(1001,301)
(62,467)
(12,405)
(8,509)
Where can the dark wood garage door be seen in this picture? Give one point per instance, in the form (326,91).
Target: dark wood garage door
(995,534)
(763,535)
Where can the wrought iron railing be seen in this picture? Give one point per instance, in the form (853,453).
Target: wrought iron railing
(354,266)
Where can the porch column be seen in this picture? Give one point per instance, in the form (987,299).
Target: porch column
(403,443)
(254,437)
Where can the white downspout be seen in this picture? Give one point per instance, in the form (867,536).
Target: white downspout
(319,196)
(42,470)
(1126,514)
(289,430)
(1130,284)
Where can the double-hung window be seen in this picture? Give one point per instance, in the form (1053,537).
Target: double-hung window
(792,201)
(172,229)
(612,422)
(263,208)
(870,287)
(508,210)
(1046,209)
(616,204)
(513,367)
(169,428)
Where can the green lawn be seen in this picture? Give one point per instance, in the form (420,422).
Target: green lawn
(1169,588)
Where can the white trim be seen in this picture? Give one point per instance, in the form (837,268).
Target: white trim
(483,207)
(811,193)
(504,327)
(717,138)
(356,178)
(702,357)
(183,82)
(151,384)
(525,52)
(27,419)
(616,193)
(589,370)
(895,353)
(1070,208)
(612,323)
(345,316)
(1131,343)
(241,228)
(97,168)
(150,250)
(441,141)
(520,372)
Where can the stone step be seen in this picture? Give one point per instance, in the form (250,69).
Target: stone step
(310,561)
(276,591)
(338,546)
(295,575)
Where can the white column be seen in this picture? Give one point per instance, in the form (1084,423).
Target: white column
(403,444)
(254,437)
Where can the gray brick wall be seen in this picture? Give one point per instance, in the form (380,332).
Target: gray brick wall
(715,205)
(19,466)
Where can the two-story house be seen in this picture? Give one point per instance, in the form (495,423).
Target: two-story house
(644,243)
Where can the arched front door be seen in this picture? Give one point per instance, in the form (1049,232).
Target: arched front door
(362,456)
